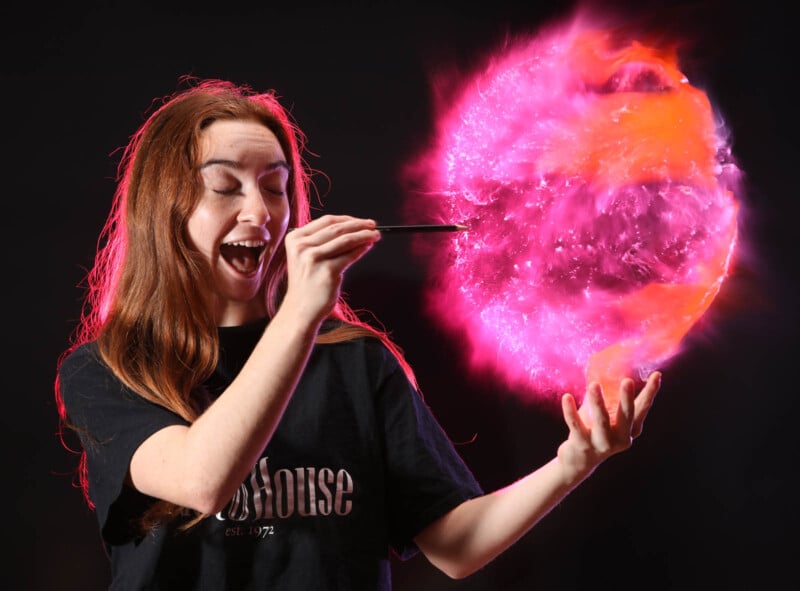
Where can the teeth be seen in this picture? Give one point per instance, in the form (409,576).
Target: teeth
(248,243)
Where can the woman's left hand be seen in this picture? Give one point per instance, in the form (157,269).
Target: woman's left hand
(593,435)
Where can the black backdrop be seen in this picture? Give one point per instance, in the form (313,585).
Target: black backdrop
(706,497)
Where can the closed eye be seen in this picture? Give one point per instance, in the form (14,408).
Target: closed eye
(274,181)
(277,191)
(227,192)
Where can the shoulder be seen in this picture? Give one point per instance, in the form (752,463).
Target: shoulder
(363,362)
(367,349)
(85,379)
(85,357)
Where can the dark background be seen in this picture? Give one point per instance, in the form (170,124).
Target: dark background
(706,497)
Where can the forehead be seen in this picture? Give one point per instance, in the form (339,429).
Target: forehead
(240,141)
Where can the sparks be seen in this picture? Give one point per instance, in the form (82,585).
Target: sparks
(599,190)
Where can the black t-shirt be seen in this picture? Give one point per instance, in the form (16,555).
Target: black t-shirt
(356,468)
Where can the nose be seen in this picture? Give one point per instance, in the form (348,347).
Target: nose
(254,208)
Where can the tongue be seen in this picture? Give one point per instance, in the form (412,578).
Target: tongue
(240,258)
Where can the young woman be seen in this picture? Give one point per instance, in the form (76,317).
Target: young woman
(241,428)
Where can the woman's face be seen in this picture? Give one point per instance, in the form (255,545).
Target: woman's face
(242,214)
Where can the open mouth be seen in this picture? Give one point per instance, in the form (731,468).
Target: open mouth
(245,255)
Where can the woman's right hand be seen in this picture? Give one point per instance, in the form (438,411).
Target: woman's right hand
(317,255)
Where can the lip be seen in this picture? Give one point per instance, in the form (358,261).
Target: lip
(253,236)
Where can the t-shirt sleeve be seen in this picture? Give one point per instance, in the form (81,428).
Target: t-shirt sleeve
(426,476)
(111,421)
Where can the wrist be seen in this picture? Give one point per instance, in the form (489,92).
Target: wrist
(572,469)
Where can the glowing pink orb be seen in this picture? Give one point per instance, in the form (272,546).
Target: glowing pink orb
(598,186)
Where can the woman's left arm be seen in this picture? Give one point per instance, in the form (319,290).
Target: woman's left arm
(474,533)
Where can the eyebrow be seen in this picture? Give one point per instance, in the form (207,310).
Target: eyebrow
(236,164)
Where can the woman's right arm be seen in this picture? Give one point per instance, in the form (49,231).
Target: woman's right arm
(202,465)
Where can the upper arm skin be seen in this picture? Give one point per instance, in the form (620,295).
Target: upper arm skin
(157,470)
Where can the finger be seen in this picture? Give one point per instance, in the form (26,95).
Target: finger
(597,407)
(625,409)
(644,401)
(327,227)
(323,222)
(571,416)
(339,244)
